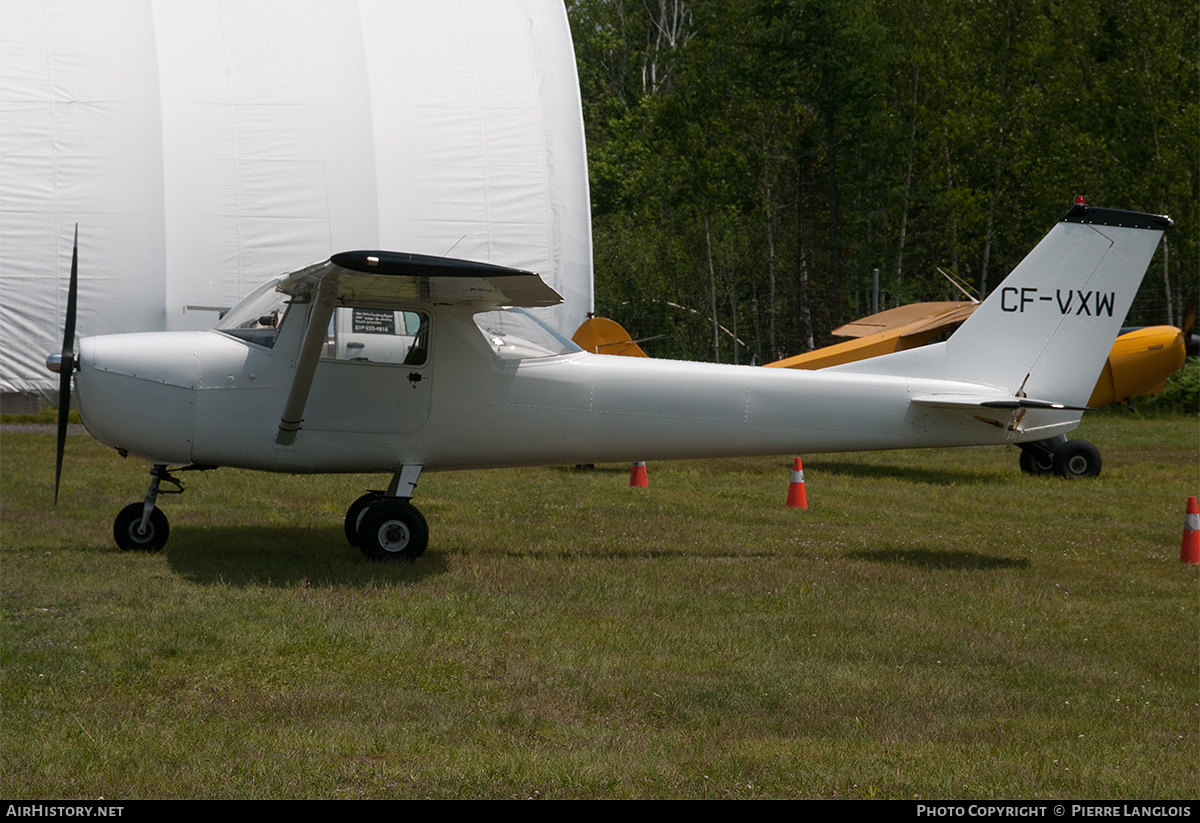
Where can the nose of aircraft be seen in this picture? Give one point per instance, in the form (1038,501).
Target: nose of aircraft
(136,392)
(1140,363)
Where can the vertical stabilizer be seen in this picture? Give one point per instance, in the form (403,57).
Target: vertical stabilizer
(1046,330)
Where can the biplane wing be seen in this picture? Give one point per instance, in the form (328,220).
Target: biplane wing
(910,319)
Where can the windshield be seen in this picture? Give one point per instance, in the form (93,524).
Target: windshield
(256,319)
(515,334)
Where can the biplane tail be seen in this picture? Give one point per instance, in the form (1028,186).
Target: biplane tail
(600,335)
(1048,328)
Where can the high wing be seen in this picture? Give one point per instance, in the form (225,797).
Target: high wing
(382,279)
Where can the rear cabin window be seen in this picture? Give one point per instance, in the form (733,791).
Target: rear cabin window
(515,334)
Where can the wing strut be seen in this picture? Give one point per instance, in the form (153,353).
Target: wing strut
(315,336)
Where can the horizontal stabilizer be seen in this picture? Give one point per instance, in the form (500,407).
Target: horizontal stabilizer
(990,401)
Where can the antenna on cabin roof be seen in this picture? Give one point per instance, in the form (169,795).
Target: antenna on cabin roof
(456,242)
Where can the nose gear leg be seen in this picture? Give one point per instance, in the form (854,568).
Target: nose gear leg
(143,526)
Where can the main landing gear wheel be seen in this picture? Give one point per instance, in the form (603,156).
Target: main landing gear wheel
(354,515)
(131,537)
(1034,463)
(1077,458)
(1066,458)
(392,529)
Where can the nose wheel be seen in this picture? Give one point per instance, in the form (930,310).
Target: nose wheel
(132,535)
(142,527)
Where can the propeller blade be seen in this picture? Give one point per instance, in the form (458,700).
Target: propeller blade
(67,364)
(1191,342)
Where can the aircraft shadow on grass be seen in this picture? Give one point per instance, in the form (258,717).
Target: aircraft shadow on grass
(285,558)
(935,560)
(911,474)
(638,554)
(289,557)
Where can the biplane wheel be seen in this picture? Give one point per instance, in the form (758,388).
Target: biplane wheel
(1077,458)
(128,536)
(1033,463)
(355,513)
(392,529)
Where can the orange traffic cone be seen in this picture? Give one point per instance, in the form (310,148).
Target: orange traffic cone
(797,497)
(1189,552)
(637,476)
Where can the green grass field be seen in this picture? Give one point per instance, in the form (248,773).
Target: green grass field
(937,625)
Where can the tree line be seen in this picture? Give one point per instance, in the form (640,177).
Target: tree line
(756,165)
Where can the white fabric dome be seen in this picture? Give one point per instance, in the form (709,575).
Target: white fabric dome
(204,146)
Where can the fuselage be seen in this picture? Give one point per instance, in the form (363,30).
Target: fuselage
(214,399)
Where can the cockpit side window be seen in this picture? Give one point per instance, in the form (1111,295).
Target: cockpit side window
(378,336)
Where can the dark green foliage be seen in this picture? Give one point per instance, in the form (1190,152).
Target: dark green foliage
(1181,396)
(752,161)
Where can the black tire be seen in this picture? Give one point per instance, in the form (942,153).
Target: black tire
(1034,463)
(125,529)
(1077,458)
(355,513)
(393,530)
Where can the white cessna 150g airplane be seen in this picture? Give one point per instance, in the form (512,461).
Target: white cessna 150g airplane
(399,363)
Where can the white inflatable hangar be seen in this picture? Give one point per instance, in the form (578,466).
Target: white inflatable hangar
(204,146)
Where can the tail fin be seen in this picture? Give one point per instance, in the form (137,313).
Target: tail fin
(1047,330)
(600,335)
